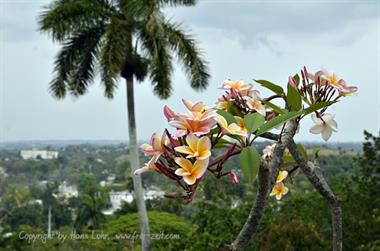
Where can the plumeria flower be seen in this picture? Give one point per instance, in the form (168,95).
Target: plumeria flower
(149,166)
(198,148)
(254,103)
(237,86)
(156,146)
(185,126)
(325,125)
(232,128)
(279,190)
(281,176)
(189,171)
(332,79)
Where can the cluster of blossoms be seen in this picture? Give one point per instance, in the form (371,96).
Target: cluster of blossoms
(239,117)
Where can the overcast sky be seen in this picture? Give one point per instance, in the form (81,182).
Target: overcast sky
(241,39)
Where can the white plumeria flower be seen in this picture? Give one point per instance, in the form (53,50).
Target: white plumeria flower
(325,126)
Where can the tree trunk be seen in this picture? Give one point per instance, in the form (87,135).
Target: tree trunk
(49,222)
(134,160)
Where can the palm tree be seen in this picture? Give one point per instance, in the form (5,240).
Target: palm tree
(90,212)
(120,38)
(48,200)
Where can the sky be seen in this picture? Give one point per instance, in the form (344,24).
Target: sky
(242,40)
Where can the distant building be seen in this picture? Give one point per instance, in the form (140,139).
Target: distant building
(38,154)
(117,198)
(67,191)
(109,181)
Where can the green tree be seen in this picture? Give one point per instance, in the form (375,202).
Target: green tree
(127,38)
(90,212)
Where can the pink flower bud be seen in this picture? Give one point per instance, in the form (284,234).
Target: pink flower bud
(234,178)
(292,82)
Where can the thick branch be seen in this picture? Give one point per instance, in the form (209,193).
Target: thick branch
(252,223)
(316,178)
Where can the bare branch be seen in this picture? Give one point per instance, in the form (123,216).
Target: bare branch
(313,173)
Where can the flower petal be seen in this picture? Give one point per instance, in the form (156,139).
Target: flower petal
(190,179)
(184,149)
(316,120)
(181,172)
(192,142)
(316,129)
(200,167)
(184,163)
(326,133)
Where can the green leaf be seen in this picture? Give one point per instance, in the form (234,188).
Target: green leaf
(269,85)
(233,109)
(279,120)
(253,121)
(274,107)
(318,106)
(302,151)
(293,99)
(250,162)
(228,116)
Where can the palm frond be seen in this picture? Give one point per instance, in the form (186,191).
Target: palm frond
(175,3)
(74,64)
(62,18)
(157,48)
(188,53)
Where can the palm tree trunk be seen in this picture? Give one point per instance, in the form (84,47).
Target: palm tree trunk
(134,160)
(49,222)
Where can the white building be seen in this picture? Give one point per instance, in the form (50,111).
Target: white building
(117,199)
(35,154)
(67,191)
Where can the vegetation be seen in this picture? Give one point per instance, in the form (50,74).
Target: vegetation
(128,39)
(301,221)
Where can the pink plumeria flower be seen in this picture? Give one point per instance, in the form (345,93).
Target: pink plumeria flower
(185,126)
(237,86)
(325,126)
(332,79)
(148,167)
(189,171)
(156,146)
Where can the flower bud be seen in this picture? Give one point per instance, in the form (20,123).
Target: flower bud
(234,178)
